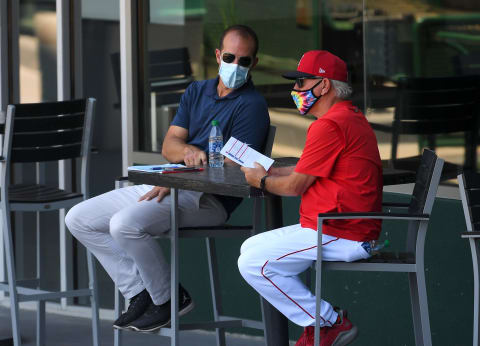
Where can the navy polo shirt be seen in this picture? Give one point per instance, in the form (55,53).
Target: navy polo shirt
(242,114)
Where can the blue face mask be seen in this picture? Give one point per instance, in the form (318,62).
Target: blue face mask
(233,75)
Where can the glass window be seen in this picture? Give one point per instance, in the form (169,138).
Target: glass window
(192,30)
(38,51)
(422,39)
(380,41)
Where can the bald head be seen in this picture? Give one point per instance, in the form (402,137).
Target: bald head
(243,31)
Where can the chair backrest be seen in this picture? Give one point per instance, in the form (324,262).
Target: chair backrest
(169,74)
(469,186)
(39,132)
(424,192)
(437,105)
(267,148)
(426,183)
(169,64)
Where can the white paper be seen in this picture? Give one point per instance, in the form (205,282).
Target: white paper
(245,156)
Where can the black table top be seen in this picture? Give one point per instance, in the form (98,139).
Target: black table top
(230,180)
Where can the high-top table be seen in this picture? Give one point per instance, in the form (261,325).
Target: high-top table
(230,181)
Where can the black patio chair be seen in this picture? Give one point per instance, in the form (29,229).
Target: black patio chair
(411,261)
(40,132)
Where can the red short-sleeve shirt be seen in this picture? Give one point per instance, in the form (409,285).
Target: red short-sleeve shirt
(341,151)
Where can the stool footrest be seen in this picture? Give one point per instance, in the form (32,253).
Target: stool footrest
(167,331)
(471,234)
(35,295)
(26,294)
(23,282)
(245,322)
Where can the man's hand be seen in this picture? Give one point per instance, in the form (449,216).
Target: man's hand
(157,191)
(254,175)
(193,156)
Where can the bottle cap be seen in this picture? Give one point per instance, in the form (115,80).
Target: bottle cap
(214,122)
(386,243)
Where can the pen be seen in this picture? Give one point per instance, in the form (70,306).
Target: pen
(160,168)
(183,169)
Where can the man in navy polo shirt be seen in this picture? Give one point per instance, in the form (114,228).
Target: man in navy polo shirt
(118,226)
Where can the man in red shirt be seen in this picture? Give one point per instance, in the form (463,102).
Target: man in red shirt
(339,171)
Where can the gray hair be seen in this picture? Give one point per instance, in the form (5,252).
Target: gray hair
(342,89)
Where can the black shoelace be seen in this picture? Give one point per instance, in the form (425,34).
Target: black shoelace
(135,301)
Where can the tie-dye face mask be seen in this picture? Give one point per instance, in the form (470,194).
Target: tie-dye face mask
(304,99)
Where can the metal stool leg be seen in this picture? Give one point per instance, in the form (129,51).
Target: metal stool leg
(257,225)
(476,288)
(425,319)
(412,278)
(318,285)
(174,268)
(119,300)
(3,273)
(119,306)
(12,283)
(41,323)
(215,289)
(92,278)
(421,321)
(40,304)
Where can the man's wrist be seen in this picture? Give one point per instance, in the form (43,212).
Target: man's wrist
(263,182)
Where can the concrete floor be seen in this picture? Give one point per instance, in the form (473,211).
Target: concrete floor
(65,330)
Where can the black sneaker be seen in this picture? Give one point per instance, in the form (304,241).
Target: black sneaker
(138,305)
(158,316)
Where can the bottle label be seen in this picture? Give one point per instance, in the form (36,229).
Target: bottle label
(215,144)
(367,246)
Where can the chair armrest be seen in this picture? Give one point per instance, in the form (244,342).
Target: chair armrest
(121,179)
(468,235)
(373,215)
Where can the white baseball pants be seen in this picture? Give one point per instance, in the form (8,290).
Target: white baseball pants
(118,231)
(271,261)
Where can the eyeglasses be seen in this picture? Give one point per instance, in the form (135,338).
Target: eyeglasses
(299,81)
(244,61)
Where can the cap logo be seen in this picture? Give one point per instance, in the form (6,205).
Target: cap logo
(321,70)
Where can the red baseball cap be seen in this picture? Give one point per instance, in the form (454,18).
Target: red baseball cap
(320,63)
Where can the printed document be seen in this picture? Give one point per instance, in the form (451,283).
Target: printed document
(245,156)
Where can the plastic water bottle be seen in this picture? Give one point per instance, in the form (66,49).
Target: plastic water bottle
(377,245)
(215,144)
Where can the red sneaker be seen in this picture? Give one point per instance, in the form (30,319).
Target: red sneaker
(306,339)
(340,334)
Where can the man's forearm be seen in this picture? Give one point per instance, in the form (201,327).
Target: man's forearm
(174,149)
(282,185)
(293,184)
(281,171)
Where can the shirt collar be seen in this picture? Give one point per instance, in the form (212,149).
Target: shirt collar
(344,104)
(212,89)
